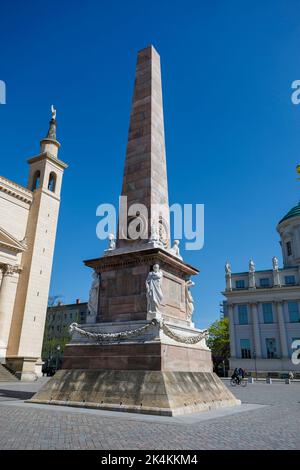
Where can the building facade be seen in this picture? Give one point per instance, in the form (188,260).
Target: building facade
(263,308)
(57,328)
(28,221)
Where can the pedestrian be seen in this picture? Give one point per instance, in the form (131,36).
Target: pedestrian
(291,375)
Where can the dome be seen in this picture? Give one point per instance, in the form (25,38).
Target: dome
(294,212)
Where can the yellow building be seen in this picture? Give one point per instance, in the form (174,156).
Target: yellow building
(28,221)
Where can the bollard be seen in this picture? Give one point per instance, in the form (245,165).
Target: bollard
(287,381)
(250,380)
(269,380)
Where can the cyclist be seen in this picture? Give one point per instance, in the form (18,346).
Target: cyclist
(236,375)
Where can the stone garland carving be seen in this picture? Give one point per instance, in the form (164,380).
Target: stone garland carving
(99,337)
(109,336)
(183,339)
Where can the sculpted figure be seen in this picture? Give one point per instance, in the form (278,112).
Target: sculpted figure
(275,263)
(228,276)
(251,266)
(94,295)
(112,242)
(252,282)
(227,268)
(189,299)
(154,234)
(53,112)
(154,289)
(175,249)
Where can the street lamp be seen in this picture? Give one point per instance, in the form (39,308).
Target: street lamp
(57,354)
(255,365)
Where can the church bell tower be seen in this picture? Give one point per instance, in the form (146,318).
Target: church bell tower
(45,180)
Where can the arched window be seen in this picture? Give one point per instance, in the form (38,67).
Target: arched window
(52,182)
(36,180)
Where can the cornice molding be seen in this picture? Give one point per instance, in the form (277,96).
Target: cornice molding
(48,156)
(13,189)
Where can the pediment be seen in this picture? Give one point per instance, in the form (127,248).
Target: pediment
(9,242)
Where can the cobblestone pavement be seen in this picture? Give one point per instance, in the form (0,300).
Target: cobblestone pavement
(273,423)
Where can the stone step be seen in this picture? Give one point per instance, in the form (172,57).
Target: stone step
(6,375)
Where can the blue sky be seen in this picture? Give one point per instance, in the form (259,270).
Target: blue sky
(232,133)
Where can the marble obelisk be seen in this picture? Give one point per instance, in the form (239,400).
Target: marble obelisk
(143,354)
(145,173)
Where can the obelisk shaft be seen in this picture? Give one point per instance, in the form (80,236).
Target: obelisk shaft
(145,174)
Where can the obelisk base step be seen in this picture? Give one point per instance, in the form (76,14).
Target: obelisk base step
(149,392)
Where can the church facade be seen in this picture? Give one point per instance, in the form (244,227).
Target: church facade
(28,221)
(263,307)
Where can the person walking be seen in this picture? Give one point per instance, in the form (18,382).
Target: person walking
(291,375)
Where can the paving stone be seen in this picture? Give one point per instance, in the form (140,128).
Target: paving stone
(272,426)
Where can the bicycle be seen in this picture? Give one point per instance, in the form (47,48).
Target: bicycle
(235,381)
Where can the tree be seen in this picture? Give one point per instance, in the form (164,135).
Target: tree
(54,300)
(50,351)
(219,341)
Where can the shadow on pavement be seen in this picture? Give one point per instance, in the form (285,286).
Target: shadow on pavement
(19,394)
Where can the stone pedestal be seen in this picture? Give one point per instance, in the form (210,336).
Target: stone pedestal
(150,372)
(138,391)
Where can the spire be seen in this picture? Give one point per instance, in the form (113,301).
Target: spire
(49,143)
(145,173)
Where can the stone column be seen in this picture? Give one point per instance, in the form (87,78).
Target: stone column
(282,330)
(231,331)
(7,299)
(256,331)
